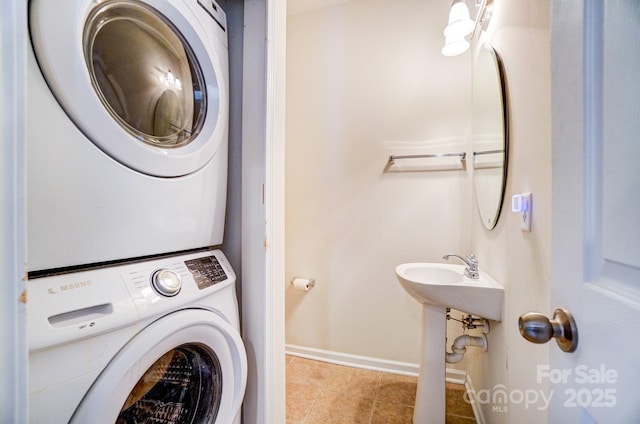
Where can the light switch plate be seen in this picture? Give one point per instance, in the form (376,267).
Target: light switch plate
(522,203)
(525,220)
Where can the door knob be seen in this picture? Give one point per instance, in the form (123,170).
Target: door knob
(537,328)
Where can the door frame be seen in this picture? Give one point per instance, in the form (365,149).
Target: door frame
(13,358)
(262,273)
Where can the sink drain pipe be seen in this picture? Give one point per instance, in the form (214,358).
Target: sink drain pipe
(459,346)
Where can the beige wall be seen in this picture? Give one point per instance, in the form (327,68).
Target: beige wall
(521,261)
(365,79)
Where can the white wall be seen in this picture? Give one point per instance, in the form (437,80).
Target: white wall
(365,79)
(519,32)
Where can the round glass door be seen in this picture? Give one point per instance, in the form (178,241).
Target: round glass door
(145,73)
(187,367)
(182,386)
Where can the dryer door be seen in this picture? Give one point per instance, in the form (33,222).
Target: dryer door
(143,80)
(187,367)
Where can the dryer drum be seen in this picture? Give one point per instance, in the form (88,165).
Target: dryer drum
(145,73)
(183,386)
(145,81)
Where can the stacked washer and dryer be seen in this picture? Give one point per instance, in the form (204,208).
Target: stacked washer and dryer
(132,311)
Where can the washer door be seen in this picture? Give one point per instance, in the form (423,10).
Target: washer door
(143,80)
(187,367)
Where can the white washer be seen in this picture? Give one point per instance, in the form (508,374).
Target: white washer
(127,132)
(153,341)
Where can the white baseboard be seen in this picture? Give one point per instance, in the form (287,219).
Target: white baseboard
(471,397)
(369,363)
(357,361)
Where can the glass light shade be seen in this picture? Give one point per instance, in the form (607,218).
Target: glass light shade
(455,46)
(460,24)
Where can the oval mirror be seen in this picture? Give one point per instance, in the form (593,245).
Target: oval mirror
(489,134)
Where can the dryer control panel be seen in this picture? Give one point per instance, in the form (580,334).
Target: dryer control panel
(87,303)
(206,271)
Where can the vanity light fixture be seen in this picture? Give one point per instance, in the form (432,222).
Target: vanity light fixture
(455,45)
(460,25)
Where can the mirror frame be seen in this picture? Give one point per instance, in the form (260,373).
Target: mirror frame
(490,221)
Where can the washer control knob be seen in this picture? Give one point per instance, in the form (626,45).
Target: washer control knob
(166,282)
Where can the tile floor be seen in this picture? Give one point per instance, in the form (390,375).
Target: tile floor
(319,392)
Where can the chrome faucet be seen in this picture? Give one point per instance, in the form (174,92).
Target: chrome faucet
(471,271)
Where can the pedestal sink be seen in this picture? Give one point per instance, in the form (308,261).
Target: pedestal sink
(438,287)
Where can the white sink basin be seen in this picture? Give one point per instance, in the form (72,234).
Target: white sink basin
(446,285)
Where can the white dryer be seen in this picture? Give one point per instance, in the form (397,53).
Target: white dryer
(127,129)
(153,341)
